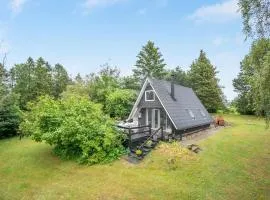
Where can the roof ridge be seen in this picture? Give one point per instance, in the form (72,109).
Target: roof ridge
(152,78)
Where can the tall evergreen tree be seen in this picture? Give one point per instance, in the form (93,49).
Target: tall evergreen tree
(60,80)
(42,78)
(203,80)
(33,79)
(24,81)
(150,62)
(9,110)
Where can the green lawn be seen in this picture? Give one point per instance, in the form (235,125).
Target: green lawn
(234,164)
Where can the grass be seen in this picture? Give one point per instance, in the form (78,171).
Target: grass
(234,164)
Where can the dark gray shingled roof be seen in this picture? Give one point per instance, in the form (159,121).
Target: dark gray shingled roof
(185,98)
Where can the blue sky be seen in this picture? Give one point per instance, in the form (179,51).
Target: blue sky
(84,34)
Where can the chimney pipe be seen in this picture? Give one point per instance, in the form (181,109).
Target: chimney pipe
(172,87)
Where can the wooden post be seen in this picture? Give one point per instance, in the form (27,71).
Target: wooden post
(162,134)
(129,135)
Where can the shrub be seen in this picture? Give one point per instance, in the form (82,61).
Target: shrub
(138,152)
(76,127)
(119,103)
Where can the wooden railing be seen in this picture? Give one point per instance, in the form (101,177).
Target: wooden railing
(151,136)
(141,130)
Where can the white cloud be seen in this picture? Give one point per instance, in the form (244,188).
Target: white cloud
(219,12)
(90,4)
(17,5)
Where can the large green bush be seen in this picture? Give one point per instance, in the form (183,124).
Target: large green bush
(75,126)
(119,103)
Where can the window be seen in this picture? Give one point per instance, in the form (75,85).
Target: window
(168,126)
(149,95)
(202,113)
(191,114)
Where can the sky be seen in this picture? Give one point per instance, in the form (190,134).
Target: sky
(84,34)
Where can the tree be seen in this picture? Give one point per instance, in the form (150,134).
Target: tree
(150,63)
(179,76)
(24,86)
(259,54)
(36,78)
(60,80)
(256,17)
(105,82)
(253,80)
(9,110)
(264,87)
(243,86)
(78,78)
(130,82)
(119,103)
(203,80)
(76,127)
(9,114)
(42,78)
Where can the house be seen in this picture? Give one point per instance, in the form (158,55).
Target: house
(173,107)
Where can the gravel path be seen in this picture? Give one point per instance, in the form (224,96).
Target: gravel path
(201,135)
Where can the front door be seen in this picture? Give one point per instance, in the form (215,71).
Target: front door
(153,117)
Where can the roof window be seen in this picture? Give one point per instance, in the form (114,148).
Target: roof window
(191,114)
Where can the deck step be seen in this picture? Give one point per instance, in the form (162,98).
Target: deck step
(133,155)
(146,149)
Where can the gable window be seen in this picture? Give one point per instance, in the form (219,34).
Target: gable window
(202,113)
(149,95)
(191,114)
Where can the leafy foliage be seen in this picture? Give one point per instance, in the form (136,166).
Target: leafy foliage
(75,126)
(202,77)
(60,80)
(33,79)
(256,17)
(150,62)
(119,103)
(130,82)
(242,84)
(179,76)
(252,83)
(104,83)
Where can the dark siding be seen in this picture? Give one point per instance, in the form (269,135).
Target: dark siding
(149,104)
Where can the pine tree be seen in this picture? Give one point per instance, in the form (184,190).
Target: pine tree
(9,110)
(203,80)
(60,80)
(150,63)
